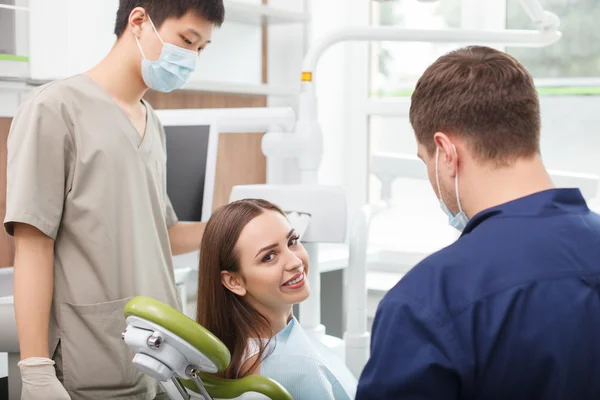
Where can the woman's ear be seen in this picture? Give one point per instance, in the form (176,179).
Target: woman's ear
(233,282)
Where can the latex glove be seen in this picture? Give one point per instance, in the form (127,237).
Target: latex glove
(39,380)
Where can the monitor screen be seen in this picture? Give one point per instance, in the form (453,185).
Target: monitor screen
(187,156)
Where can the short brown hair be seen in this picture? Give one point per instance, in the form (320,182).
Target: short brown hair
(482,95)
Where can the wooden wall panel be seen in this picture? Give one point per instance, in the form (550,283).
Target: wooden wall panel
(194,99)
(240,159)
(6,244)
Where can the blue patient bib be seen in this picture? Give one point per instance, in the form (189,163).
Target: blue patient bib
(308,369)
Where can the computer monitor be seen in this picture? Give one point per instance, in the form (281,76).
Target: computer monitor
(191,147)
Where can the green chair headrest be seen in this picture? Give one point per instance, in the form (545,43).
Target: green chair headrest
(186,328)
(232,388)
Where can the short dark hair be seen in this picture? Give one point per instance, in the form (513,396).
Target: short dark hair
(160,10)
(482,95)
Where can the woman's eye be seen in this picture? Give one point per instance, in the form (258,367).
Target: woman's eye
(186,41)
(294,240)
(268,257)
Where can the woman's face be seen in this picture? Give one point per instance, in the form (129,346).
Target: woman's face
(273,264)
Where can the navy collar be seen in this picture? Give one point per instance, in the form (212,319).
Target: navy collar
(546,202)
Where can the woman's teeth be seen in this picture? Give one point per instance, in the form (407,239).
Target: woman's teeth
(298,279)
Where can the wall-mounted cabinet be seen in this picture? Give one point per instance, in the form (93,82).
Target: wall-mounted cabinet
(69,36)
(14,46)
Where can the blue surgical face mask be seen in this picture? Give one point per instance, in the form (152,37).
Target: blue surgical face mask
(460,220)
(173,68)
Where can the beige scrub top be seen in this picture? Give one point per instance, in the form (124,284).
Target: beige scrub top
(79,171)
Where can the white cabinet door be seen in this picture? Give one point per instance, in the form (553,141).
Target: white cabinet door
(68,37)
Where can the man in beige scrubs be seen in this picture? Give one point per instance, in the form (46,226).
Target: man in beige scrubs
(88,207)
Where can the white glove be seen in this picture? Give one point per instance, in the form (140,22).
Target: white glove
(39,380)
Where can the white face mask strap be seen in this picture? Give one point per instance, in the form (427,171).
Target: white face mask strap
(139,46)
(437,175)
(153,27)
(138,41)
(456,182)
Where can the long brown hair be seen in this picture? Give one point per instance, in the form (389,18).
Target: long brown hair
(227,315)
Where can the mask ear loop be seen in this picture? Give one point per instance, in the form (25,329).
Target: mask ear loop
(437,175)
(456,182)
(155,31)
(140,47)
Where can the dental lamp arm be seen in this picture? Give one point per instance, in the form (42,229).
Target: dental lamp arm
(539,16)
(547,35)
(508,37)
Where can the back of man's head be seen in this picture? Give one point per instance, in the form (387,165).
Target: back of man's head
(211,10)
(485,98)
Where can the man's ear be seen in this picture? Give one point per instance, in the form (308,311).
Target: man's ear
(137,18)
(233,282)
(448,153)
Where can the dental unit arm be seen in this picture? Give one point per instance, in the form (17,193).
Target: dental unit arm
(387,168)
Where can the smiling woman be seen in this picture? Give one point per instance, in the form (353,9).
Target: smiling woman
(253,269)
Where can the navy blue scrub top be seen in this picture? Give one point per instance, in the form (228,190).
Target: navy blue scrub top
(509,311)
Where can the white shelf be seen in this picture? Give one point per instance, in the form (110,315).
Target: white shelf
(243,88)
(13,68)
(10,96)
(205,86)
(257,14)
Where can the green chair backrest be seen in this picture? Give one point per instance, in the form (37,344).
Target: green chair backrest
(208,344)
(181,325)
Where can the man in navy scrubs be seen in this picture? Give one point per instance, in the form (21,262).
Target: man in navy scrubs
(511,310)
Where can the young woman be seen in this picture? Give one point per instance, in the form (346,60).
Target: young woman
(253,269)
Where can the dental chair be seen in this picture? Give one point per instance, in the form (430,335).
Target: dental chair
(181,354)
